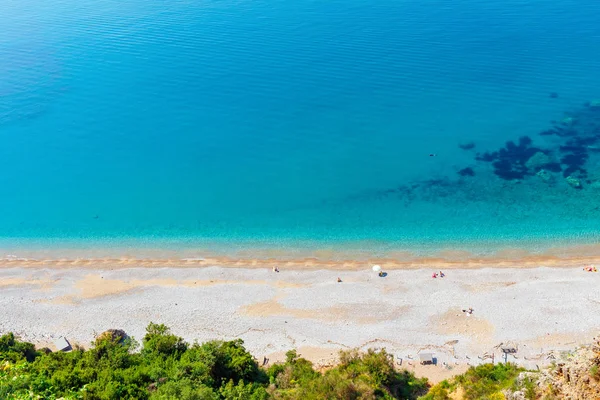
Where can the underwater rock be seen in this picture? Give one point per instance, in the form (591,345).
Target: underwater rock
(594,104)
(561,131)
(509,162)
(577,150)
(466,172)
(544,175)
(574,163)
(538,160)
(574,182)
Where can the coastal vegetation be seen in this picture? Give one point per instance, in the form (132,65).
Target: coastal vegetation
(165,367)
(572,376)
(487,381)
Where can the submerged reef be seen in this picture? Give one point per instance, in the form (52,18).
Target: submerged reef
(578,135)
(563,161)
(510,162)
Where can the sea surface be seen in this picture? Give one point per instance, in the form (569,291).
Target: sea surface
(320,124)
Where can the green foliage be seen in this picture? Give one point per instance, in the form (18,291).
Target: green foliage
(167,368)
(184,389)
(242,391)
(487,380)
(159,341)
(358,376)
(595,372)
(231,361)
(530,389)
(441,391)
(296,372)
(484,382)
(14,350)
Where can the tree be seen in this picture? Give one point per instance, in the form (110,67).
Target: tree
(14,350)
(159,341)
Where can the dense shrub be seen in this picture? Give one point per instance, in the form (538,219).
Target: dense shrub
(165,367)
(484,382)
(13,350)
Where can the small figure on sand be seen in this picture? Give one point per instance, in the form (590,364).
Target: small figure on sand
(469,311)
(434,275)
(275,269)
(590,268)
(339,280)
(442,274)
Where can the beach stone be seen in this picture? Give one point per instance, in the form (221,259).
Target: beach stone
(537,161)
(574,182)
(115,335)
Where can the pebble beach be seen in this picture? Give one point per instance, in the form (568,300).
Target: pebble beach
(539,311)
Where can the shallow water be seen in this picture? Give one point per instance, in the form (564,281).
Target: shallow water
(293,124)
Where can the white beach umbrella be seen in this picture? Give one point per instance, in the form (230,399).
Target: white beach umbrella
(376,268)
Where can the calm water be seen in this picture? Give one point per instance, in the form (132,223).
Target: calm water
(286,122)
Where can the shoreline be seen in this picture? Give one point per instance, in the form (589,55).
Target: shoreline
(509,258)
(284,247)
(294,258)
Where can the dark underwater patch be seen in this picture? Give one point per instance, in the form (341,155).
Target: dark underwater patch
(509,162)
(466,172)
(576,153)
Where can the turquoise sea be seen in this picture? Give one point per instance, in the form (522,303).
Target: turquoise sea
(300,123)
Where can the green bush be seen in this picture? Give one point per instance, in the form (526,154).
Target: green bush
(165,367)
(159,341)
(484,382)
(184,389)
(14,350)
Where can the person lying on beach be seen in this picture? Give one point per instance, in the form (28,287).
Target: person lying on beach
(442,274)
(339,280)
(434,275)
(275,269)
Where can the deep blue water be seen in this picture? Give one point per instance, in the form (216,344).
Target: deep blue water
(287,121)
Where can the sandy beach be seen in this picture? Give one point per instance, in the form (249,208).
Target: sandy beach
(539,310)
